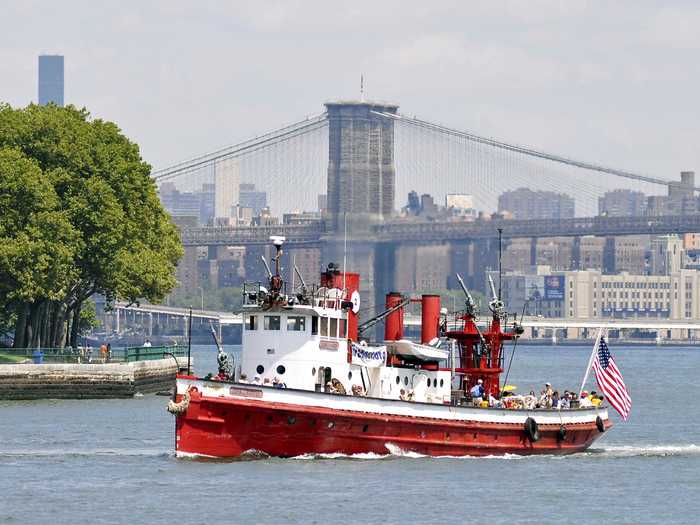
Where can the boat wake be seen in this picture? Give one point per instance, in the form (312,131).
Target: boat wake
(651,451)
(608,452)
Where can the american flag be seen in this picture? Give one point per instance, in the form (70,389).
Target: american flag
(610,380)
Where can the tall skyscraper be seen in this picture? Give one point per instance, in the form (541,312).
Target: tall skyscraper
(50,79)
(227,180)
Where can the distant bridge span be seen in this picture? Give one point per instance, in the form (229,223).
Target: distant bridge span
(408,231)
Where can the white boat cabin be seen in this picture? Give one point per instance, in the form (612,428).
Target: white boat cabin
(306,347)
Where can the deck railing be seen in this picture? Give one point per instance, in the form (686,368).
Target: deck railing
(81,355)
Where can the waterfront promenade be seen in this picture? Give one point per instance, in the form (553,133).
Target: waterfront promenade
(68,375)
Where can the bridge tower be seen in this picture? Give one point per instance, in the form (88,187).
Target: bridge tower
(361,173)
(361,191)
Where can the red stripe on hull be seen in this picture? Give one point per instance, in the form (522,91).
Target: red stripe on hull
(230,427)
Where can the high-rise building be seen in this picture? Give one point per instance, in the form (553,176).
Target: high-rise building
(226,180)
(525,203)
(249,197)
(622,203)
(50,79)
(680,199)
(666,255)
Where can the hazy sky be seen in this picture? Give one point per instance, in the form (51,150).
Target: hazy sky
(615,84)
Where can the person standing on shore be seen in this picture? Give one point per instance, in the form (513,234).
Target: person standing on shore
(103,352)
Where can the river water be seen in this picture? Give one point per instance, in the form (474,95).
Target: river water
(111,461)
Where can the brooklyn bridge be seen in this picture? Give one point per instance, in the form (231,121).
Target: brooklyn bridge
(338,182)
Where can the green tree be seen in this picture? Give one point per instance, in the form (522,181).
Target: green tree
(80,215)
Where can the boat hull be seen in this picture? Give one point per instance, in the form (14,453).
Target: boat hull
(227,420)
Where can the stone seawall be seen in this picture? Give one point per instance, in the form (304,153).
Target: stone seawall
(87,381)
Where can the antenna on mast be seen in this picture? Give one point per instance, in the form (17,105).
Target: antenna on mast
(500,262)
(345,246)
(362,88)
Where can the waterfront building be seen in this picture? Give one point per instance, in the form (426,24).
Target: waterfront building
(592,295)
(51,80)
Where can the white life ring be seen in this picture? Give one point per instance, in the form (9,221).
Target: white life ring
(355,299)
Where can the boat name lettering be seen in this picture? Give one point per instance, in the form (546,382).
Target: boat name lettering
(244,392)
(328,345)
(370,358)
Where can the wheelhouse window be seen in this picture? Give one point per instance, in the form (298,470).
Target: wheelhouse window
(272,322)
(343,329)
(333,329)
(296,323)
(251,322)
(314,325)
(324,326)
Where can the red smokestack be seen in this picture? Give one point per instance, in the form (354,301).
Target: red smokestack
(430,318)
(393,325)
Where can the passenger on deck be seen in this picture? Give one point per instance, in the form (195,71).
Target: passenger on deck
(596,400)
(256,380)
(530,401)
(564,401)
(336,387)
(585,401)
(357,390)
(477,392)
(277,383)
(402,395)
(555,399)
(243,378)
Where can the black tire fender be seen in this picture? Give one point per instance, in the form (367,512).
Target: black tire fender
(600,424)
(532,431)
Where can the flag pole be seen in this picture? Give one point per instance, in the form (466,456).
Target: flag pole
(590,360)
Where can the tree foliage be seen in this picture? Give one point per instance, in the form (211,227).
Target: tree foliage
(79,215)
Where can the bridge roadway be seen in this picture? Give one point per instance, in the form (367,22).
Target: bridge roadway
(413,320)
(407,230)
(222,318)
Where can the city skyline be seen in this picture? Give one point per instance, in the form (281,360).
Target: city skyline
(522,74)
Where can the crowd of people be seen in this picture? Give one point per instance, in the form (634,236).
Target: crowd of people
(548,398)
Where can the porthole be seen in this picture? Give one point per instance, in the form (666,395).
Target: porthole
(291,420)
(349,375)
(428,382)
(313,371)
(331,424)
(365,428)
(281,369)
(405,380)
(398,380)
(260,369)
(442,382)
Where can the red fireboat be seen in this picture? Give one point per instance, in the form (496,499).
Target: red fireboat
(307,383)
